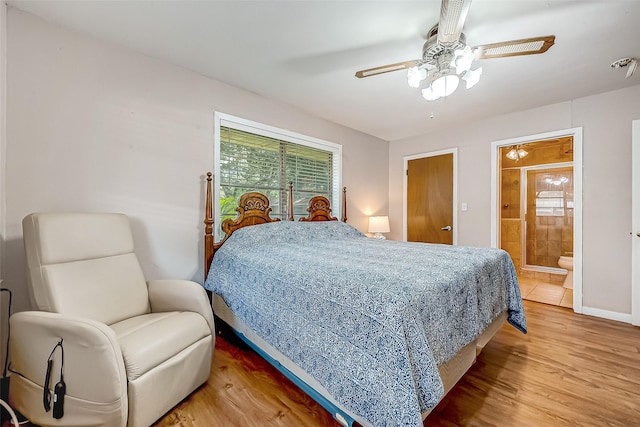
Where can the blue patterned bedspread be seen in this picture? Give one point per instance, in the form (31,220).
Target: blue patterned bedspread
(370,320)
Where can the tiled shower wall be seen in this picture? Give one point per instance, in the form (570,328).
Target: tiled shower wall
(549,236)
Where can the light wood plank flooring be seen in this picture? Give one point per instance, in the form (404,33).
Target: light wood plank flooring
(569,370)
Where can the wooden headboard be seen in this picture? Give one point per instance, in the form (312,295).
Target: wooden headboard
(253,208)
(319,210)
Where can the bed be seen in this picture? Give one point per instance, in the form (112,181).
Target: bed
(376,331)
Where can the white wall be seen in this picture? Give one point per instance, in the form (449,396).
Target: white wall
(91,126)
(3,297)
(3,88)
(606,122)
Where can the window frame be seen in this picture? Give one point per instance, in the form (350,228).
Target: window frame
(227,120)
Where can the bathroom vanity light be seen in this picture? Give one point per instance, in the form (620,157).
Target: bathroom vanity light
(558,181)
(516,153)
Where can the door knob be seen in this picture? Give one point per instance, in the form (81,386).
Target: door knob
(447,228)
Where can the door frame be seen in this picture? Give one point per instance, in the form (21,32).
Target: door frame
(635,221)
(576,133)
(405,160)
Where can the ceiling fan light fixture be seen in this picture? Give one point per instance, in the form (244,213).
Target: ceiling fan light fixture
(463,58)
(445,85)
(447,58)
(442,83)
(451,66)
(416,75)
(472,77)
(429,94)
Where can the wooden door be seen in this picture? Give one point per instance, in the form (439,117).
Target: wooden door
(430,199)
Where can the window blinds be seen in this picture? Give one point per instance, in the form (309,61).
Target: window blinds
(251,162)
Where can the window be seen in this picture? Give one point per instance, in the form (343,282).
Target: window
(250,156)
(551,188)
(550,203)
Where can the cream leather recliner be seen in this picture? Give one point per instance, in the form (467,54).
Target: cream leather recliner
(132,349)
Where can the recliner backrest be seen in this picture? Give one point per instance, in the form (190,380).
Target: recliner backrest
(83,264)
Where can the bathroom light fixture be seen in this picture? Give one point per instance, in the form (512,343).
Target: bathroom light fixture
(516,153)
(378,225)
(451,66)
(558,181)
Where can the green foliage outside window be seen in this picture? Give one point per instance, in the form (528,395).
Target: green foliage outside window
(251,162)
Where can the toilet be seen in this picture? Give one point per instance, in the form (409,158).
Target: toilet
(566,262)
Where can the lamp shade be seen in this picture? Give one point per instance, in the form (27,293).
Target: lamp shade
(379,224)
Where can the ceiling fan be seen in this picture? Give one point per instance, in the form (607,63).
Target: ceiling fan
(447,58)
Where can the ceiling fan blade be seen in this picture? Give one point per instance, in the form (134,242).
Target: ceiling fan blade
(386,68)
(530,46)
(453,13)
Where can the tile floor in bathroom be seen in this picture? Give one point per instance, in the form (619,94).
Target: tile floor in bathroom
(539,290)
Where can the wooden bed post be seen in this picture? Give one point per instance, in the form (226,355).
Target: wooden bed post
(290,200)
(208,226)
(344,204)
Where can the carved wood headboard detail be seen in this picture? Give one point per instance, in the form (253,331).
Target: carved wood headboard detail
(253,209)
(319,210)
(319,207)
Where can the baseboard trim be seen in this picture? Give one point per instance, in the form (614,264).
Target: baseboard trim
(605,314)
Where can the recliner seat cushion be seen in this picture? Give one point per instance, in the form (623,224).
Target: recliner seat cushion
(147,341)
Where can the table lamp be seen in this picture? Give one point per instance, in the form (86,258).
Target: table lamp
(378,225)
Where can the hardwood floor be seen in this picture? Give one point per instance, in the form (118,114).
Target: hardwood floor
(244,390)
(569,370)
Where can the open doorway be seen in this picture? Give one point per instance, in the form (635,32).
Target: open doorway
(537,213)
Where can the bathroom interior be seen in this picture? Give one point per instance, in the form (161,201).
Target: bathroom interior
(536,217)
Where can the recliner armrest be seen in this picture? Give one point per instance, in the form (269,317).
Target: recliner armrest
(180,295)
(94,369)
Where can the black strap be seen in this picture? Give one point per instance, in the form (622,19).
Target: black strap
(46,393)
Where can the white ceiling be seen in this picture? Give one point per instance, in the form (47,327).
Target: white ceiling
(305,53)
